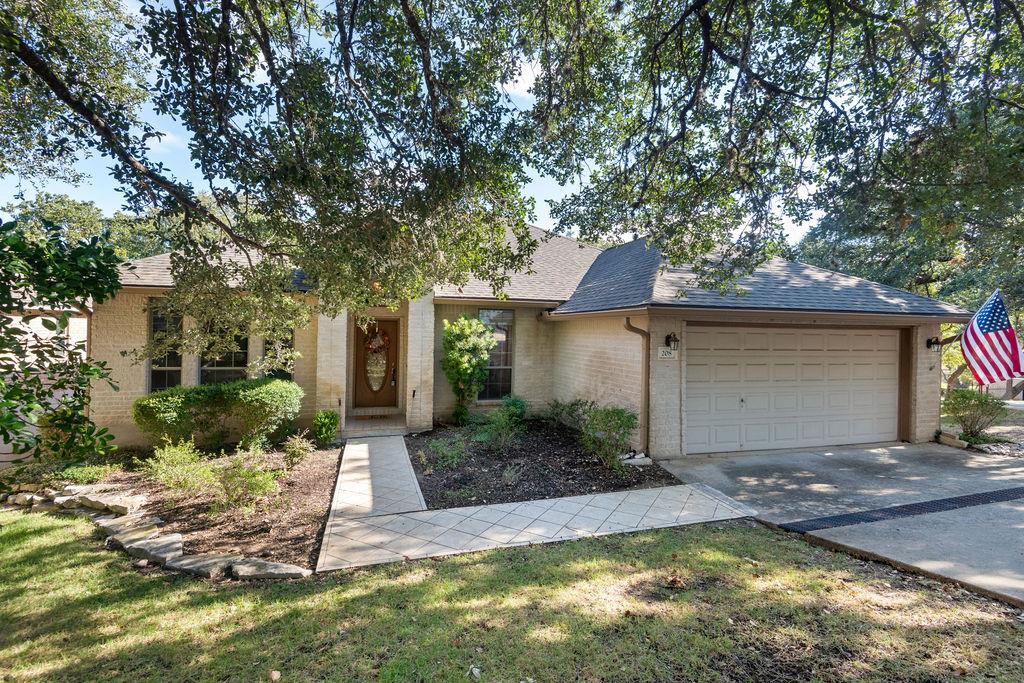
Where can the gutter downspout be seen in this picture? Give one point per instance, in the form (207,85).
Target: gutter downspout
(645,383)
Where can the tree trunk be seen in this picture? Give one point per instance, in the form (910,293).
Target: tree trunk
(1012,391)
(954,376)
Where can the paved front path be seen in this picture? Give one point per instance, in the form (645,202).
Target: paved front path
(982,546)
(354,539)
(378,485)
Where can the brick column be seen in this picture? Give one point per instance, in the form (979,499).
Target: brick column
(331,362)
(668,392)
(925,377)
(419,365)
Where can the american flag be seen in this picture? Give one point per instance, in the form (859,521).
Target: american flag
(990,344)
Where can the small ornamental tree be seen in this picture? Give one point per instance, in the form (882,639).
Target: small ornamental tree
(466,347)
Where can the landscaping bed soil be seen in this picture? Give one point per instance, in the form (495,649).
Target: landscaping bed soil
(285,527)
(546,462)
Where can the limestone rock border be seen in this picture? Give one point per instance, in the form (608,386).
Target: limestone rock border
(122,517)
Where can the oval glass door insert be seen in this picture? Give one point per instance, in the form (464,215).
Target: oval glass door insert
(377,360)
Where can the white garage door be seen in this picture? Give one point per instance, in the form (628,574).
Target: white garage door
(763,388)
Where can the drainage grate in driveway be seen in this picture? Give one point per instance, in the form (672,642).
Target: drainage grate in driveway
(898,511)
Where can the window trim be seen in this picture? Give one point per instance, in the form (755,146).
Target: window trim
(511,355)
(150,365)
(244,368)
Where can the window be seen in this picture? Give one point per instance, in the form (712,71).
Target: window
(165,371)
(499,367)
(229,367)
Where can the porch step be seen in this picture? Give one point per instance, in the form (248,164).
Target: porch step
(360,431)
(356,428)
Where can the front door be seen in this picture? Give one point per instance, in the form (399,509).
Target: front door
(376,365)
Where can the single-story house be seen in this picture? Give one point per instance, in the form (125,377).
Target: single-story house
(806,358)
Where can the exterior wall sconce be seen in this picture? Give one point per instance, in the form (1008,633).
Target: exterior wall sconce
(934,344)
(672,341)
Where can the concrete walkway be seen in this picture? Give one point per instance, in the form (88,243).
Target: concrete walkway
(357,535)
(981,546)
(382,484)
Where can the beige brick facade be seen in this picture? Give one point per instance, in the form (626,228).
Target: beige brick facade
(593,358)
(121,325)
(598,359)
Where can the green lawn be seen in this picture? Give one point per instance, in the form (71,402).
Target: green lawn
(717,602)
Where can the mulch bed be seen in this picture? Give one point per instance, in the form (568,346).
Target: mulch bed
(547,462)
(284,528)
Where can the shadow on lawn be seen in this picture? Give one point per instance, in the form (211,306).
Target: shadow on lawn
(725,602)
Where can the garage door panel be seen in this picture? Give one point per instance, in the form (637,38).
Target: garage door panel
(761,389)
(726,372)
(756,372)
(812,341)
(698,404)
(727,403)
(698,372)
(757,402)
(784,372)
(757,435)
(787,432)
(785,341)
(812,372)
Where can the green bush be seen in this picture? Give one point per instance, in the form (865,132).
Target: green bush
(515,405)
(262,406)
(206,413)
(296,448)
(501,427)
(241,485)
(973,411)
(606,433)
(179,466)
(448,453)
(325,427)
(572,414)
(466,346)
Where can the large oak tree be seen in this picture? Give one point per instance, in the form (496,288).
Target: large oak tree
(372,143)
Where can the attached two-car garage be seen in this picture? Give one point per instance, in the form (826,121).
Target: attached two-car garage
(768,388)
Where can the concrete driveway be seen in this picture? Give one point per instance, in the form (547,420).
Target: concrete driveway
(918,501)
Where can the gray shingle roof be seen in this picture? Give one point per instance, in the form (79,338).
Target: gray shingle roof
(155,271)
(631,276)
(558,266)
(587,279)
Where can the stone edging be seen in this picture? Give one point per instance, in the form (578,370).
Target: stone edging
(122,517)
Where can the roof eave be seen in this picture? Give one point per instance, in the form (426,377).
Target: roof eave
(698,312)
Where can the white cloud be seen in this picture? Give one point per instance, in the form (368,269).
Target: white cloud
(520,87)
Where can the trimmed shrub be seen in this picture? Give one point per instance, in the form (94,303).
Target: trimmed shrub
(606,433)
(179,466)
(466,346)
(262,406)
(973,411)
(448,453)
(325,427)
(572,414)
(240,485)
(296,449)
(206,413)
